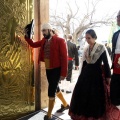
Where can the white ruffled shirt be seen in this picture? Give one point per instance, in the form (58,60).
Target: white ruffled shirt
(117,50)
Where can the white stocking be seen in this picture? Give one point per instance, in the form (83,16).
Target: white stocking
(62,85)
(67,84)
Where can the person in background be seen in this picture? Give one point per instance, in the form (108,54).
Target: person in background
(79,53)
(88,98)
(54,53)
(72,56)
(115,80)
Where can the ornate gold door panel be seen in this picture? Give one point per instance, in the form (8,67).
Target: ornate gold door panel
(16,65)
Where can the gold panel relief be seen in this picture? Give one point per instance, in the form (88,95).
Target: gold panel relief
(16,65)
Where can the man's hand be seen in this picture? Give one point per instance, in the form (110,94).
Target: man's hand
(62,78)
(76,67)
(108,81)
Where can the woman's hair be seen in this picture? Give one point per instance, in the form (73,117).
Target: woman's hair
(92,33)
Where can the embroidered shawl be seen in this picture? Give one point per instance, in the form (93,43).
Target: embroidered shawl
(94,55)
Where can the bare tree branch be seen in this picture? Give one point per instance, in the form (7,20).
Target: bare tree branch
(77,9)
(79,23)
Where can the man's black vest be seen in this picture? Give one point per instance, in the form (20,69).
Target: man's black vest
(114,41)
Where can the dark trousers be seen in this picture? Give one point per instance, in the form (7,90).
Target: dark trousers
(53,77)
(70,67)
(115,89)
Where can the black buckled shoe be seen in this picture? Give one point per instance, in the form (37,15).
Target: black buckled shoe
(47,118)
(63,108)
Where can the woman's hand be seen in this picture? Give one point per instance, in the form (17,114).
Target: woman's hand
(108,80)
(62,78)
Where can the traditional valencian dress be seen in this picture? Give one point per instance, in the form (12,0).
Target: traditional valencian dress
(90,99)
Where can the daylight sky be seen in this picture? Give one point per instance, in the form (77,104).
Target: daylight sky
(104,7)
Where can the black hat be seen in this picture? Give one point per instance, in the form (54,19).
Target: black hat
(29,28)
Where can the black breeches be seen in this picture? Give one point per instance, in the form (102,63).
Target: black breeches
(115,89)
(53,77)
(70,67)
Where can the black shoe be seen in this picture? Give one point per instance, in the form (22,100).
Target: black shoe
(68,92)
(62,90)
(47,118)
(63,108)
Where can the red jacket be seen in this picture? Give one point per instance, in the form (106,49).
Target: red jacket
(58,52)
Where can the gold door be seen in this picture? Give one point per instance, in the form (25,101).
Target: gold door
(16,64)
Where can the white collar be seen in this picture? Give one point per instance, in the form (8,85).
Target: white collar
(117,50)
(49,38)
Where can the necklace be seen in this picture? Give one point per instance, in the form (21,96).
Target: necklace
(90,49)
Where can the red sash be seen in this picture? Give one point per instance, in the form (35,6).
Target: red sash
(69,58)
(116,64)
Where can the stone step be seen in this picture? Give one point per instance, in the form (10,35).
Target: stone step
(39,115)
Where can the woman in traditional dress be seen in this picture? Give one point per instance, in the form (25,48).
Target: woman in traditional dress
(88,99)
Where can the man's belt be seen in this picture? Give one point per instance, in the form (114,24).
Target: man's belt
(69,58)
(116,64)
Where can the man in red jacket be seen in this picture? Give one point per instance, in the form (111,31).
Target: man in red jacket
(54,53)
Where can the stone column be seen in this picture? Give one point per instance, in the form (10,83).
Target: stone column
(41,15)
